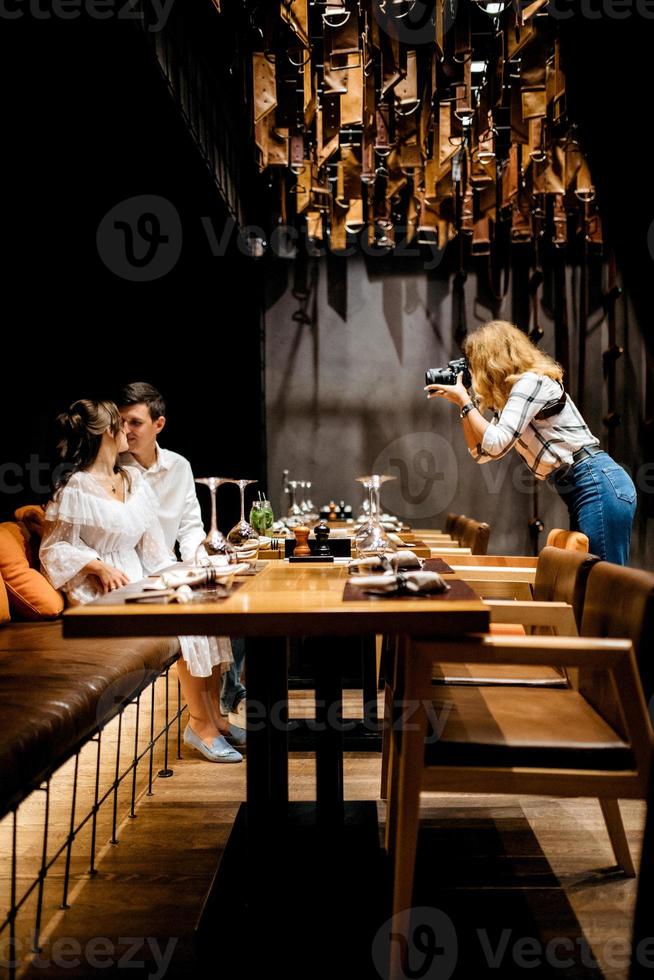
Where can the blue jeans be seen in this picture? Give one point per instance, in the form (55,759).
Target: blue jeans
(232,690)
(601,501)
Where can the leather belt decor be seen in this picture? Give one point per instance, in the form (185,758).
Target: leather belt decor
(455,123)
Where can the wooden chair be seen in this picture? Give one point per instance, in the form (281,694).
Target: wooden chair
(557,606)
(561,579)
(618,603)
(449,522)
(607,600)
(551,742)
(475,535)
(569,540)
(458,527)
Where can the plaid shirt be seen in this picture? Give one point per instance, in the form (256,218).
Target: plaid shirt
(544,444)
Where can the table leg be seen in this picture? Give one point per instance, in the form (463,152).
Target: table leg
(369,680)
(329,732)
(267,724)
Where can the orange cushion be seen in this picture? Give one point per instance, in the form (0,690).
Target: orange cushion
(30,594)
(33,517)
(5,615)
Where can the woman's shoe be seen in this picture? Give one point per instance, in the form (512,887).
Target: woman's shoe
(218,751)
(235,735)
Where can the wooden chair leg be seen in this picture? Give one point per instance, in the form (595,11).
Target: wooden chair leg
(405,804)
(389,778)
(407,780)
(619,843)
(387,722)
(379,644)
(390,775)
(390,671)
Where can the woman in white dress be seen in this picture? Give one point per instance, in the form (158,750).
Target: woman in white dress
(102,532)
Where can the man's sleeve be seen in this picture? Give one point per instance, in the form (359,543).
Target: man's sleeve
(191,532)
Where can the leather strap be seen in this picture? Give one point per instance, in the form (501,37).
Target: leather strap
(553,409)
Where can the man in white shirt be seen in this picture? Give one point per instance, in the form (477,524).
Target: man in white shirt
(144,412)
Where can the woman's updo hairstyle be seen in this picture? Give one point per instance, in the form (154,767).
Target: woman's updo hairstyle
(82,427)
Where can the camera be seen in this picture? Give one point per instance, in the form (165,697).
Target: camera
(449,374)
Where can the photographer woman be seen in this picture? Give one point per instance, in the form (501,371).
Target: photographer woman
(522,386)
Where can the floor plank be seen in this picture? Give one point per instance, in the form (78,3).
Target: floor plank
(541,862)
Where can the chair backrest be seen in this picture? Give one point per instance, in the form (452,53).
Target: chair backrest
(620,603)
(458,526)
(569,540)
(475,536)
(562,576)
(449,522)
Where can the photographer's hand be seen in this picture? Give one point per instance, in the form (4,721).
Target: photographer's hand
(457,394)
(474,423)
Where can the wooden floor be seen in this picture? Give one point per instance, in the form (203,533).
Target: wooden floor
(552,855)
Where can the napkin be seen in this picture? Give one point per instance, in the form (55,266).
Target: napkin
(386,563)
(192,577)
(403,583)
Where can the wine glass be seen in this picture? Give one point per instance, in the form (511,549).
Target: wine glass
(372,539)
(293,511)
(243,536)
(310,506)
(215,544)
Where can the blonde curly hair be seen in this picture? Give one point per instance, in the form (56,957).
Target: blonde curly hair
(498,353)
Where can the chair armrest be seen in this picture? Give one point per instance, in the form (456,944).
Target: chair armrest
(565,651)
(558,615)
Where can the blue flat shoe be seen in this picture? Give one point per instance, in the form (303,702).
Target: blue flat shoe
(218,751)
(236,736)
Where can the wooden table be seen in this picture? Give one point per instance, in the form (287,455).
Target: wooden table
(282,601)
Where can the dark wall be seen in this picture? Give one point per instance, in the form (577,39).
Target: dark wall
(87,123)
(606,54)
(344,391)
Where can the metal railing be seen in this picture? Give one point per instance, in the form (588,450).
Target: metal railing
(76,824)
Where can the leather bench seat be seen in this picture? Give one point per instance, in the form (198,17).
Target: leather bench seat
(55,692)
(523,727)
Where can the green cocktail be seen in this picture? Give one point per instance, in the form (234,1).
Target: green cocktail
(261,515)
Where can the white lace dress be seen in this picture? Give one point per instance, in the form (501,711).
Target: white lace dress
(83,523)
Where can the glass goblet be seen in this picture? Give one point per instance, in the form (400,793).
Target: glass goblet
(243,537)
(371,538)
(215,545)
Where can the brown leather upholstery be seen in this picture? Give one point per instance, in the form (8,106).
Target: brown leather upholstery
(450,521)
(562,576)
(54,693)
(475,536)
(569,540)
(499,726)
(458,527)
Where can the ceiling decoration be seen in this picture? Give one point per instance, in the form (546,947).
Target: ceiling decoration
(395,121)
